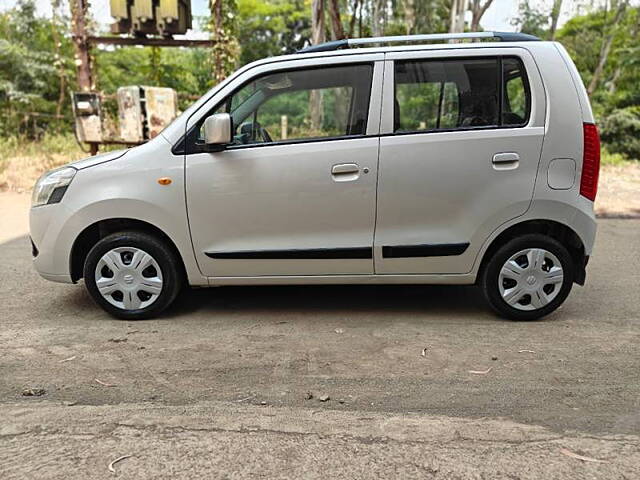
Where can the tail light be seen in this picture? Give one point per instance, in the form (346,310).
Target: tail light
(590,162)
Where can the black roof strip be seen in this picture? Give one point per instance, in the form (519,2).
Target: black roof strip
(325,47)
(515,37)
(338,44)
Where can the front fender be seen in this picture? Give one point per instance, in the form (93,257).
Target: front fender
(126,188)
(173,226)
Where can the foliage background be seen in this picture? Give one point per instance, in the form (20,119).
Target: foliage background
(37,71)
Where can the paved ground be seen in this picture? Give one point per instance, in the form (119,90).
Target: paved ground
(218,388)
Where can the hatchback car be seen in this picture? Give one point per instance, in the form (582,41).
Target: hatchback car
(420,163)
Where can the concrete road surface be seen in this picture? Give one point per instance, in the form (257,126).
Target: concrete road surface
(227,385)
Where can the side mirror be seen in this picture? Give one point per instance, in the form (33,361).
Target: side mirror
(217,130)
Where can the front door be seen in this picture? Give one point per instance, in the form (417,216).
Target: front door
(464,131)
(295,192)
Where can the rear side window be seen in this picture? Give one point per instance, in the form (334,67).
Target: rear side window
(433,95)
(516,99)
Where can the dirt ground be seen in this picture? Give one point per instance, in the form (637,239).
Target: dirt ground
(228,383)
(619,191)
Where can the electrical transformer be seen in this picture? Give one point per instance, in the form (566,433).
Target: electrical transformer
(154,17)
(143,112)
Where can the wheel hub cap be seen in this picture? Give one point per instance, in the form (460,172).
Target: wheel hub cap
(530,279)
(129,278)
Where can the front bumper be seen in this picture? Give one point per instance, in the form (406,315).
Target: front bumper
(64,278)
(50,250)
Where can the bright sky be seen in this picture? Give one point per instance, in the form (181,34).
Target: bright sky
(498,17)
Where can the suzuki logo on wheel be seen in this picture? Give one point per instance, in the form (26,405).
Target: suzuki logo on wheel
(128,279)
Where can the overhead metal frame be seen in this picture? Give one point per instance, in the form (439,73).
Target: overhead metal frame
(150,42)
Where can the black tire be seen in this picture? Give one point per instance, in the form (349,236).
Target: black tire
(489,280)
(170,266)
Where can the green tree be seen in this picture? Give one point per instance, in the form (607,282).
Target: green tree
(30,72)
(583,37)
(616,95)
(268,28)
(531,20)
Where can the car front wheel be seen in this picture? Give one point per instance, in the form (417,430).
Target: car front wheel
(132,275)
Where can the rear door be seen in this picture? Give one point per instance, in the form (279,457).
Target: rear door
(461,138)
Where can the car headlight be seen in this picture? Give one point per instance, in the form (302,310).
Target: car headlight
(51,186)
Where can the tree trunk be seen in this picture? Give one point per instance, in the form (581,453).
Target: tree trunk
(317,22)
(354,17)
(555,14)
(377,15)
(606,47)
(462,9)
(410,16)
(458,9)
(614,79)
(341,104)
(317,37)
(453,15)
(82,57)
(62,76)
(477,11)
(216,17)
(337,32)
(620,66)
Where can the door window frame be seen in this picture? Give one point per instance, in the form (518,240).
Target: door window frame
(532,80)
(187,144)
(501,92)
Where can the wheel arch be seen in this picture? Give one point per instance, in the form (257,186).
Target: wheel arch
(551,228)
(93,233)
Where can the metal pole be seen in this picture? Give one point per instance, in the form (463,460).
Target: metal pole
(82,55)
(81,44)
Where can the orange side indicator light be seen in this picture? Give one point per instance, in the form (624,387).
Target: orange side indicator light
(164,181)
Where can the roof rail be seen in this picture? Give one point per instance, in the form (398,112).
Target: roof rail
(348,42)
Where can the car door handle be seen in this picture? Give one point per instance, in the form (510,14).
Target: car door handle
(345,168)
(506,161)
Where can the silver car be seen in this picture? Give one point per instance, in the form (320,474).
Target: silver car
(447,163)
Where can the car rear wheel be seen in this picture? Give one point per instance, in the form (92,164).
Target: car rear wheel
(132,275)
(528,277)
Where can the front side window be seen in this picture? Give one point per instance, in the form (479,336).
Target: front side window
(433,95)
(300,105)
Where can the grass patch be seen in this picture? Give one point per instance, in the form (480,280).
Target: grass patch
(22,162)
(615,159)
(49,146)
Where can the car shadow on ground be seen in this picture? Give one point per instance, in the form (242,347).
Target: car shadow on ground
(344,299)
(401,302)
